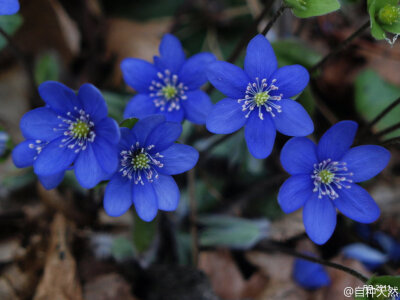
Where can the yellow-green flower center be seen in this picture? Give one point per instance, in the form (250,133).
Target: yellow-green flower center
(80,129)
(389,14)
(261,97)
(140,161)
(169,91)
(326,176)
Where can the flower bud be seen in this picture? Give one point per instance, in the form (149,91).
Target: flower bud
(389,14)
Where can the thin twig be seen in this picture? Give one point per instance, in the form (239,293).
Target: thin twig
(388,130)
(392,141)
(339,48)
(275,17)
(384,113)
(272,247)
(19,55)
(193,215)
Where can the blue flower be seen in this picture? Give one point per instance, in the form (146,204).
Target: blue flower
(258,98)
(71,132)
(170,86)
(310,275)
(388,244)
(9,7)
(148,157)
(369,256)
(324,178)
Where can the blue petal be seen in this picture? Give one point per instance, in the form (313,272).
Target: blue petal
(193,72)
(371,257)
(197,107)
(293,120)
(260,135)
(54,159)
(87,169)
(92,102)
(172,116)
(108,129)
(172,56)
(319,217)
(145,126)
(22,155)
(260,61)
(167,192)
(59,97)
(366,161)
(178,159)
(337,140)
(40,124)
(299,155)
(226,117)
(145,200)
(164,135)
(50,182)
(310,275)
(118,196)
(9,7)
(138,73)
(388,244)
(357,204)
(139,107)
(290,80)
(127,139)
(229,79)
(106,154)
(294,192)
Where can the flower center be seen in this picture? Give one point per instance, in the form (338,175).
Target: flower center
(78,130)
(389,14)
(138,163)
(167,91)
(258,96)
(328,176)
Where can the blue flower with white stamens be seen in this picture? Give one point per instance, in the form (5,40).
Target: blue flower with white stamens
(9,7)
(72,132)
(148,156)
(324,179)
(170,86)
(259,98)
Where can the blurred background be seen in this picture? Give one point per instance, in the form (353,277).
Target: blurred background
(223,241)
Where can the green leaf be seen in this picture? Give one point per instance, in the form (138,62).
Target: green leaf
(116,103)
(232,232)
(144,234)
(129,123)
(379,28)
(379,287)
(47,68)
(312,8)
(122,249)
(372,95)
(10,25)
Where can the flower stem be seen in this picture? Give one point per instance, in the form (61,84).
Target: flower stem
(271,247)
(384,113)
(339,48)
(392,141)
(388,130)
(191,176)
(19,55)
(275,17)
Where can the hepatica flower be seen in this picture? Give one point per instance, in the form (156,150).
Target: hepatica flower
(325,176)
(148,156)
(310,275)
(170,86)
(71,132)
(9,7)
(258,98)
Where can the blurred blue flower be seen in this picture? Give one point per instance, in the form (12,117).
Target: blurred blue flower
(310,275)
(324,178)
(258,98)
(9,7)
(388,244)
(170,86)
(71,132)
(3,142)
(148,157)
(369,256)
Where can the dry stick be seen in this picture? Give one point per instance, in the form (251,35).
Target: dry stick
(18,54)
(191,175)
(270,247)
(342,45)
